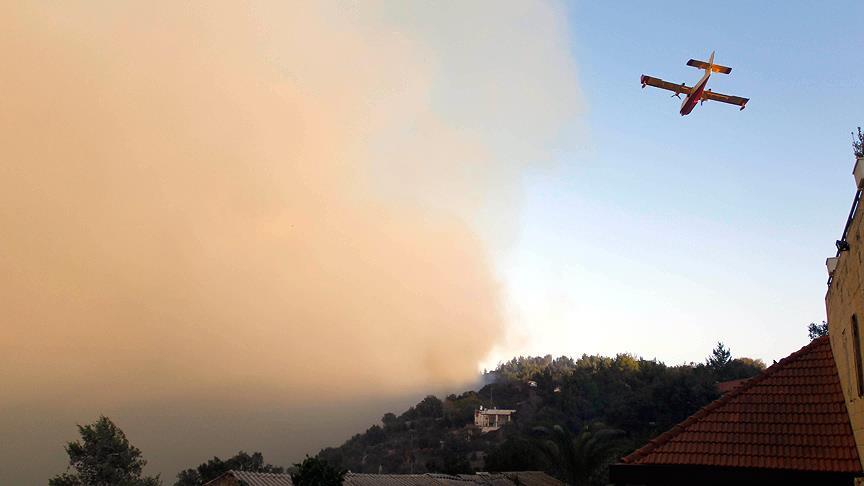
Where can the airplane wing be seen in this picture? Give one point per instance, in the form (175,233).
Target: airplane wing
(704,65)
(732,100)
(659,83)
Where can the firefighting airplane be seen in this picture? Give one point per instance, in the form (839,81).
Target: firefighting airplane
(698,93)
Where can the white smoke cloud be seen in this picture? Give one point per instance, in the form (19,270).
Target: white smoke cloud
(290,200)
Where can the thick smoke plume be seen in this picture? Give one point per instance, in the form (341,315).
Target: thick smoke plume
(267,205)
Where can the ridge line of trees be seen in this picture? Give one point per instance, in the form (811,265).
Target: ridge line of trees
(574,417)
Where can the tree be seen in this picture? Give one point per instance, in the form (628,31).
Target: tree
(719,358)
(580,458)
(456,463)
(430,407)
(103,457)
(215,467)
(389,419)
(858,143)
(641,397)
(374,435)
(516,453)
(741,368)
(817,330)
(316,472)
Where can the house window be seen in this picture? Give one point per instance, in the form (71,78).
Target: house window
(856,349)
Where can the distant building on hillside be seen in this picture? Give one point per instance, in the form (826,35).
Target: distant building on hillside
(489,419)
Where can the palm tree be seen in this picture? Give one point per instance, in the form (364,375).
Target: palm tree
(578,457)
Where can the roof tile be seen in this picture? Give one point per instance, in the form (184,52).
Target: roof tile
(525,478)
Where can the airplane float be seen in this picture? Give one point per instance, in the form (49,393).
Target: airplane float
(698,93)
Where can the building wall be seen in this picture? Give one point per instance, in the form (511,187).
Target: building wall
(845,298)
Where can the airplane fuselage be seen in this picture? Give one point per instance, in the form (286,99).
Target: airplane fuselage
(695,96)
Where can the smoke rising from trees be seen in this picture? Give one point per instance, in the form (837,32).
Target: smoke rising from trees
(266,206)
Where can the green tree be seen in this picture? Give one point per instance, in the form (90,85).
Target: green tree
(455,463)
(215,467)
(817,330)
(430,407)
(719,358)
(579,459)
(741,368)
(516,454)
(641,397)
(389,419)
(103,457)
(858,143)
(316,472)
(374,435)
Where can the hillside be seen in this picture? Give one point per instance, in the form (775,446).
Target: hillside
(571,416)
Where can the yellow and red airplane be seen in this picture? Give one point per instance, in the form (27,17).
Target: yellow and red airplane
(698,93)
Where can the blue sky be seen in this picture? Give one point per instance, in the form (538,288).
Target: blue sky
(659,234)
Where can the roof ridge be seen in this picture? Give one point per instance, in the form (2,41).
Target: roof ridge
(663,438)
(423,478)
(256,472)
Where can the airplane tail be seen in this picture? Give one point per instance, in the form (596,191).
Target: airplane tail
(709,66)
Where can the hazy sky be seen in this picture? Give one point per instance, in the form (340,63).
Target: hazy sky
(263,226)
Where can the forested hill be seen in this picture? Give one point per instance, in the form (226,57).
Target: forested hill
(573,416)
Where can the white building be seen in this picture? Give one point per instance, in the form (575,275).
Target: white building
(490,419)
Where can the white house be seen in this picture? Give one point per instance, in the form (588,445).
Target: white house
(490,419)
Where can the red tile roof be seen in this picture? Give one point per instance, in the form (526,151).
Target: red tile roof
(792,416)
